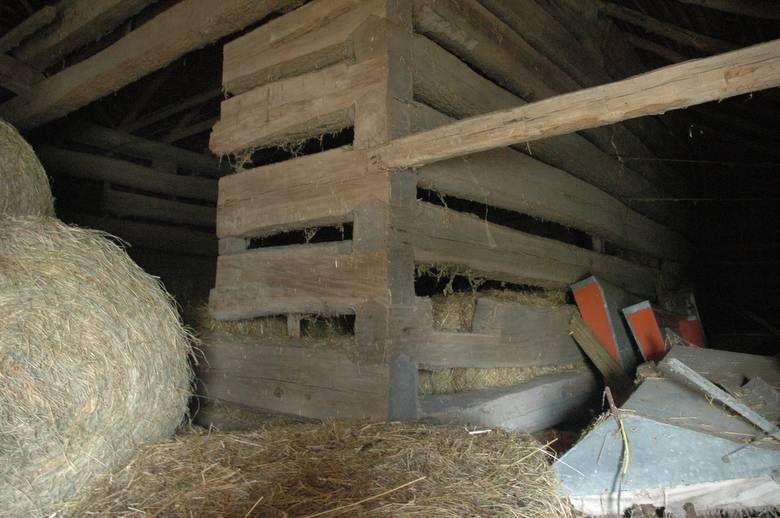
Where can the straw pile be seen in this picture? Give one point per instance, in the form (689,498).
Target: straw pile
(334,469)
(454,312)
(24,187)
(93,362)
(448,381)
(316,331)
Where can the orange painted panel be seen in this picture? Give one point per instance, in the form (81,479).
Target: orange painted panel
(593,308)
(647,333)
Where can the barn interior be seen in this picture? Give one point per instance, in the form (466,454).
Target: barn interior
(260,159)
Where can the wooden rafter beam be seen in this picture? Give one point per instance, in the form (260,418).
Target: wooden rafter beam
(686,37)
(170,111)
(766,9)
(80,22)
(669,88)
(186,26)
(16,76)
(654,48)
(27,28)
(151,88)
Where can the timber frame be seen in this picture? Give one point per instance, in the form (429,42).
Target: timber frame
(390,70)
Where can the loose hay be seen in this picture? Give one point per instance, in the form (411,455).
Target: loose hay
(317,332)
(93,362)
(454,312)
(24,187)
(448,381)
(310,469)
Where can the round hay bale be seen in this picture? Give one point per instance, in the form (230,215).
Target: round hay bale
(93,362)
(24,187)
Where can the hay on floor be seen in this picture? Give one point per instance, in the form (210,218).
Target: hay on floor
(334,469)
(448,381)
(24,187)
(93,362)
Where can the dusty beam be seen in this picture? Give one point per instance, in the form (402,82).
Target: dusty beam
(144,50)
(665,89)
(768,9)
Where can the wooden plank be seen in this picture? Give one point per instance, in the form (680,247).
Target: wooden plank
(443,236)
(36,21)
(680,35)
(512,180)
(316,36)
(117,141)
(320,189)
(729,369)
(504,317)
(144,50)
(529,407)
(120,172)
(16,76)
(292,380)
(766,9)
(153,236)
(80,22)
(669,88)
(121,203)
(296,108)
(613,374)
(444,82)
(322,278)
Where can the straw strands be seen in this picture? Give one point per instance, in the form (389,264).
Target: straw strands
(334,469)
(24,187)
(93,362)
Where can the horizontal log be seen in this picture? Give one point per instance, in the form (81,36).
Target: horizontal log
(320,189)
(444,82)
(294,380)
(16,76)
(512,180)
(128,174)
(675,33)
(443,236)
(764,9)
(496,342)
(528,407)
(150,47)
(117,141)
(151,236)
(297,108)
(669,88)
(121,203)
(323,278)
(35,22)
(315,37)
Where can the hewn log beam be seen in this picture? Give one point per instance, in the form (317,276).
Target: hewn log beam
(16,76)
(669,88)
(184,27)
(80,22)
(683,36)
(27,28)
(118,141)
(768,9)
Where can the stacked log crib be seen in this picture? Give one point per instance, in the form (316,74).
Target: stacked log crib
(329,232)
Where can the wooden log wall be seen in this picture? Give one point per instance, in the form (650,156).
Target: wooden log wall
(388,68)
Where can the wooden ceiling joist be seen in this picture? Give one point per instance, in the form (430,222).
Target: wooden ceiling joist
(766,9)
(27,28)
(170,111)
(186,26)
(701,42)
(80,22)
(655,48)
(16,76)
(669,88)
(118,141)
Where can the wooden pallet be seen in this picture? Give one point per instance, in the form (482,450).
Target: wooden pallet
(383,68)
